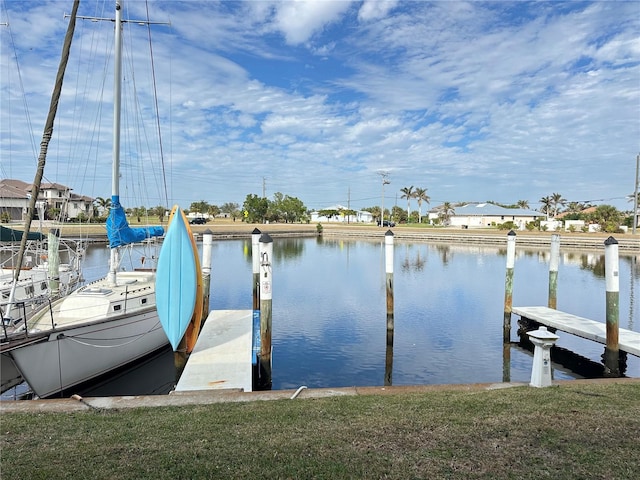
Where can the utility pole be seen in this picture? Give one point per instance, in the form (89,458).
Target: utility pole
(385,181)
(264,187)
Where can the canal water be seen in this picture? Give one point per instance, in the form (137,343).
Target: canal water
(329,312)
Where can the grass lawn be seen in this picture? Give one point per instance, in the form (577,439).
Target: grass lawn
(573,431)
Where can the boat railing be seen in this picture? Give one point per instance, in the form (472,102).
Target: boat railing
(16,326)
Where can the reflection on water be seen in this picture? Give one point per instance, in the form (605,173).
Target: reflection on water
(329,309)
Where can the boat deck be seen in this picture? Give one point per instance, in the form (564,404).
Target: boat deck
(629,341)
(221,358)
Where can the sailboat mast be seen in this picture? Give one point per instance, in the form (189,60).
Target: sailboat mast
(117,96)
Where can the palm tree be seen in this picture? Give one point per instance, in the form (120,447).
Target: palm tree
(103,204)
(421,196)
(446,212)
(523,204)
(546,205)
(407,193)
(557,202)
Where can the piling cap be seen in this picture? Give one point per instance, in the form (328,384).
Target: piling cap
(511,233)
(610,241)
(256,231)
(543,334)
(389,233)
(265,238)
(207,232)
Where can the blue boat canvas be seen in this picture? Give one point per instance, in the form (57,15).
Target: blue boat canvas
(176,280)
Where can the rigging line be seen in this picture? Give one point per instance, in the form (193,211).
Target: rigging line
(24,96)
(155,97)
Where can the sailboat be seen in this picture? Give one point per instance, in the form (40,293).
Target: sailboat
(107,323)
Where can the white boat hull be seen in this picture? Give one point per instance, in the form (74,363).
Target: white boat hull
(96,329)
(75,355)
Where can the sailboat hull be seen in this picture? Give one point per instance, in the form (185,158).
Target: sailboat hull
(95,329)
(69,357)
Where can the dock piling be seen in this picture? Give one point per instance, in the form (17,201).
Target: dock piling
(266,256)
(508,286)
(612,281)
(207,247)
(553,271)
(388,249)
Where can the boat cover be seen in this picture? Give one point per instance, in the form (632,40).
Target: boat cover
(10,235)
(120,233)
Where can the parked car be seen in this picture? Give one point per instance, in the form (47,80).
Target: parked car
(388,223)
(198,221)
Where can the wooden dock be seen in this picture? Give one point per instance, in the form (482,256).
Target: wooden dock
(221,358)
(629,341)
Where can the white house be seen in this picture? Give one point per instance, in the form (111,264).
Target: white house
(360,216)
(15,196)
(487,214)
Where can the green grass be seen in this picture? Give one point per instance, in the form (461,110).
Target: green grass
(574,431)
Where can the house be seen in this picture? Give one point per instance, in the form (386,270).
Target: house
(16,194)
(14,199)
(480,215)
(360,216)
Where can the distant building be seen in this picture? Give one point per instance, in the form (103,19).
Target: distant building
(360,216)
(488,214)
(16,194)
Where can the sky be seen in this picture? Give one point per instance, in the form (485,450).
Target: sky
(322,100)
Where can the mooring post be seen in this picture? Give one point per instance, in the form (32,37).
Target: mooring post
(508,286)
(255,341)
(388,250)
(255,258)
(207,247)
(612,281)
(266,256)
(554,262)
(541,373)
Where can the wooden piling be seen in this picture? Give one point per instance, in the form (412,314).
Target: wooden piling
(388,244)
(612,281)
(553,271)
(388,361)
(266,256)
(508,286)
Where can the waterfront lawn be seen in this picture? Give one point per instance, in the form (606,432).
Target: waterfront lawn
(572,431)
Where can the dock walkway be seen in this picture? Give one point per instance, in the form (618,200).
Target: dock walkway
(221,358)
(629,341)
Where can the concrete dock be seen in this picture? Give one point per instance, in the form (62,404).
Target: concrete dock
(629,341)
(221,359)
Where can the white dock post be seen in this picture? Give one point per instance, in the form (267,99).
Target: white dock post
(207,247)
(543,340)
(255,262)
(508,285)
(388,250)
(612,282)
(553,271)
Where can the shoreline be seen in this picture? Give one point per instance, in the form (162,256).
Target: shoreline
(226,230)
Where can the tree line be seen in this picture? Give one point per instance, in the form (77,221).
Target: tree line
(287,209)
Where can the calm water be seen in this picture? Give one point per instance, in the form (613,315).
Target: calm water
(329,310)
